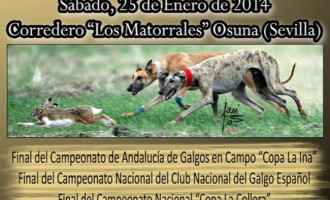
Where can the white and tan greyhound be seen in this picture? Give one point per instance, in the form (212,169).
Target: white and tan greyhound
(226,73)
(172,63)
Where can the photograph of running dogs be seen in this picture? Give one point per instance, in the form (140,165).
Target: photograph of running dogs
(165,91)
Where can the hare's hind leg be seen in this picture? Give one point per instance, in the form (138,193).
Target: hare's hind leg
(107,121)
(89,117)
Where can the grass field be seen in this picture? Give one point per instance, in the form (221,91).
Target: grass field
(99,74)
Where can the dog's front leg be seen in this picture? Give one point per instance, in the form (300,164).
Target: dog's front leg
(154,102)
(178,98)
(206,99)
(158,99)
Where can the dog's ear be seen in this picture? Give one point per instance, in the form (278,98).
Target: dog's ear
(148,67)
(55,105)
(149,63)
(138,68)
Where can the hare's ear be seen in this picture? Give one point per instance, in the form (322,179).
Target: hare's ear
(148,67)
(55,105)
(138,68)
(47,101)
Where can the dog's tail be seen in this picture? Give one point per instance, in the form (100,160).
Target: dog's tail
(291,75)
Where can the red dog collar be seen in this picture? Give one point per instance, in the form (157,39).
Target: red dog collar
(188,76)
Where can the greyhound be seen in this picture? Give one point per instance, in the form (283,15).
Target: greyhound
(172,63)
(225,73)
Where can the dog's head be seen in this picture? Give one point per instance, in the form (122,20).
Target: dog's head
(38,110)
(173,83)
(142,78)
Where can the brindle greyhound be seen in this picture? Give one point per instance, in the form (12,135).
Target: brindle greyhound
(172,63)
(225,73)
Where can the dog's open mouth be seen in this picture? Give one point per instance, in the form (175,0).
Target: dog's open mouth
(138,89)
(168,95)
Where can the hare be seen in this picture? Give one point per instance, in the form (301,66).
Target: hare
(49,116)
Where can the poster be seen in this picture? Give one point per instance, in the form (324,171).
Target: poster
(164,100)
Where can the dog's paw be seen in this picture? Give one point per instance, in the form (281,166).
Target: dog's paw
(186,107)
(173,122)
(303,113)
(128,114)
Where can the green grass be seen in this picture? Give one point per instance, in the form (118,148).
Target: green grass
(99,74)
(153,122)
